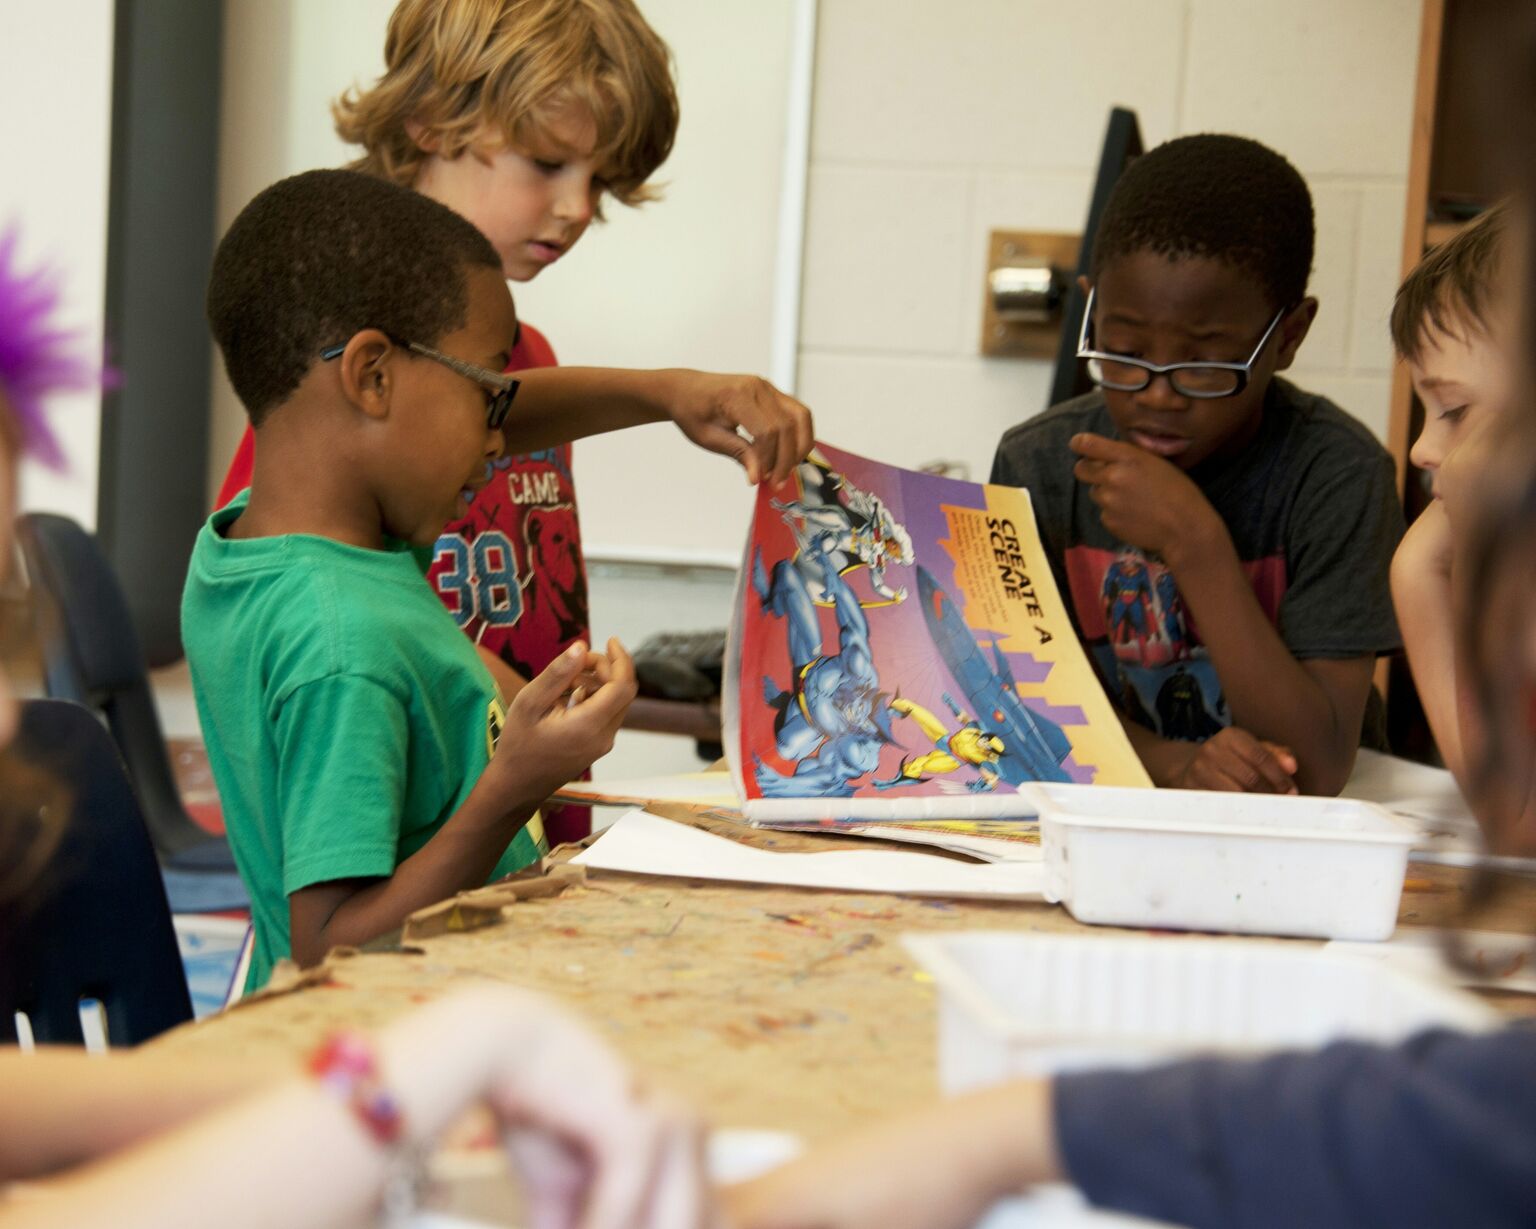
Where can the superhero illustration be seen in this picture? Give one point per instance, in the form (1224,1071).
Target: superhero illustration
(1181,709)
(1130,606)
(850,526)
(1175,627)
(832,720)
(1033,747)
(970,744)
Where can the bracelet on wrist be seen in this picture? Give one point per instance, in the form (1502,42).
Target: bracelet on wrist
(346,1067)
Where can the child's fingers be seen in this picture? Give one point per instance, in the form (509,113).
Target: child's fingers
(1211,770)
(765,447)
(1090,472)
(1283,755)
(1260,771)
(621,664)
(597,718)
(545,689)
(680,1196)
(1099,447)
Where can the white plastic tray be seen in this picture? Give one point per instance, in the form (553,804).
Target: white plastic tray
(1013,1003)
(1326,868)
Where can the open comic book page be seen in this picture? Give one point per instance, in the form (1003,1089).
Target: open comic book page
(898,650)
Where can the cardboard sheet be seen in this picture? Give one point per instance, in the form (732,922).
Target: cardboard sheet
(644,844)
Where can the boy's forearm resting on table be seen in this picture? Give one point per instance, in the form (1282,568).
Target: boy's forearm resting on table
(460,855)
(295,1154)
(62,1107)
(1314,708)
(938,1168)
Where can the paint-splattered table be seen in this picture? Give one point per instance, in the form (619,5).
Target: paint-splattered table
(772,1008)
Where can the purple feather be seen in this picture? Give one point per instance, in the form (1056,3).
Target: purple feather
(36,357)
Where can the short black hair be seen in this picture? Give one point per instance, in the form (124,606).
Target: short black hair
(1224,197)
(320,256)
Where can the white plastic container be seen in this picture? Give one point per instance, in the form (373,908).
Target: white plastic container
(1325,868)
(1013,1003)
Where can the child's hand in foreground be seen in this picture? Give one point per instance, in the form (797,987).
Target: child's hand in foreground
(593,1143)
(940,1168)
(565,718)
(1143,499)
(1235,761)
(709,409)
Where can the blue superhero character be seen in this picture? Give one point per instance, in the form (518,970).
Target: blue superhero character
(1128,600)
(833,720)
(1172,606)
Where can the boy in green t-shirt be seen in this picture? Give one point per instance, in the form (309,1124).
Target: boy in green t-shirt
(366,765)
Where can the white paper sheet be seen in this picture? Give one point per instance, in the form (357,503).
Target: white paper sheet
(644,844)
(1430,799)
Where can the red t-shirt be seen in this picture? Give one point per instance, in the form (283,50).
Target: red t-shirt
(511,572)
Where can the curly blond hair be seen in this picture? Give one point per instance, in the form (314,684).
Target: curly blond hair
(472,71)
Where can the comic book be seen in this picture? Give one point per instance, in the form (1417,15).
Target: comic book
(899,651)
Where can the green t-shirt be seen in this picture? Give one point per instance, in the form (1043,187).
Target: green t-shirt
(347,717)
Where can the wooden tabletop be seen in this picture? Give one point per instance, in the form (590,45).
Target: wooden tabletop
(769,1007)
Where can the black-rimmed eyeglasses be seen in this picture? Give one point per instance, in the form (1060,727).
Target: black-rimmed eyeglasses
(1202,381)
(500,388)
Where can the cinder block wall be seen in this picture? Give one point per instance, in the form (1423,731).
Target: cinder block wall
(937,122)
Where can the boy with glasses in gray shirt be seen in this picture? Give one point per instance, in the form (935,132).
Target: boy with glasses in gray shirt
(1225,536)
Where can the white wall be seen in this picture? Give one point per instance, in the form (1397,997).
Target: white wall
(56,92)
(935,123)
(687,281)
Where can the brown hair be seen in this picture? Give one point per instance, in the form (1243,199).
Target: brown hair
(1453,285)
(463,69)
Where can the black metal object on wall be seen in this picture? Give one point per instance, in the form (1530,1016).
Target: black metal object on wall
(1122,143)
(160,237)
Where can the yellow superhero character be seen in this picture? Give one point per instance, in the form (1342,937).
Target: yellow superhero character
(970,744)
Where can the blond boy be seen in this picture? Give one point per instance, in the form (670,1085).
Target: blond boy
(1447,324)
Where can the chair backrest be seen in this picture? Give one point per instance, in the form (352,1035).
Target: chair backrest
(92,656)
(100,927)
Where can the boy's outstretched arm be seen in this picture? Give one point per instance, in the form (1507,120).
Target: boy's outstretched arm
(1313,708)
(63,1107)
(558,404)
(543,745)
(939,1168)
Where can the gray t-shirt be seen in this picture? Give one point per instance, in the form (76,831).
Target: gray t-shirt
(1312,507)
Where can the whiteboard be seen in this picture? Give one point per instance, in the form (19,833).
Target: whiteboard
(686,281)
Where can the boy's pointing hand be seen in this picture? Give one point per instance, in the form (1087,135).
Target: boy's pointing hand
(746,418)
(1142,499)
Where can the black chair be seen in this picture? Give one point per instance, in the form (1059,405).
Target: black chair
(92,657)
(99,925)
